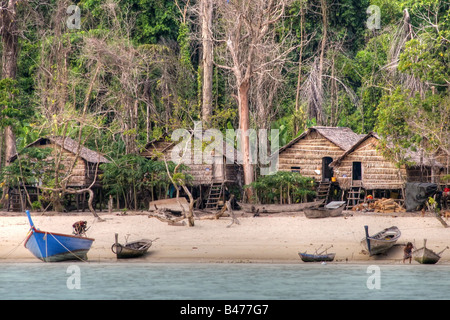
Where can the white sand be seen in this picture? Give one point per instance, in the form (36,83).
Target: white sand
(270,238)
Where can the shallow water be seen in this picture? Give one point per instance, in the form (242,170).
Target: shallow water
(108,281)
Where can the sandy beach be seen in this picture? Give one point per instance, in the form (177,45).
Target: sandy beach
(271,238)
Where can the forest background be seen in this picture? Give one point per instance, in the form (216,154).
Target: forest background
(116,74)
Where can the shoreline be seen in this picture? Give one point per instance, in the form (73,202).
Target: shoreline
(267,239)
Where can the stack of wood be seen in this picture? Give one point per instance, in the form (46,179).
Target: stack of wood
(382,205)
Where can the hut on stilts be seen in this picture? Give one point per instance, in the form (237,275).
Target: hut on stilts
(214,171)
(312,152)
(78,170)
(364,169)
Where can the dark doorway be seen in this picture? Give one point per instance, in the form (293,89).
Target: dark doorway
(327,171)
(295,169)
(356,171)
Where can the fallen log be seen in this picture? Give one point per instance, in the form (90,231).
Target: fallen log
(165,215)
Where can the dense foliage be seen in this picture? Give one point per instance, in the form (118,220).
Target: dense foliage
(133,71)
(284,187)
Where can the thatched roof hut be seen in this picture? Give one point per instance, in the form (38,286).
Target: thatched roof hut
(365,165)
(86,160)
(224,167)
(313,151)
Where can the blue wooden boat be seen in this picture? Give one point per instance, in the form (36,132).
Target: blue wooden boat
(51,247)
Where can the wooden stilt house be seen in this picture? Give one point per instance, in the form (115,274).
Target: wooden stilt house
(212,169)
(364,166)
(79,167)
(311,153)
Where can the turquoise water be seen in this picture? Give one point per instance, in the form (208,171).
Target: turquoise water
(108,281)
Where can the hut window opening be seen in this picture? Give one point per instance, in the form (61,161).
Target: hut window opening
(295,169)
(356,171)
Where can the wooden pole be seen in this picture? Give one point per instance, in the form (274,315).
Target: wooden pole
(366,228)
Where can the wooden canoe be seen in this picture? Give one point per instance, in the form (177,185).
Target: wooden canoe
(381,241)
(426,256)
(132,249)
(307,257)
(277,208)
(333,209)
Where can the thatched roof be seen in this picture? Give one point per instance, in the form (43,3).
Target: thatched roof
(206,136)
(343,137)
(71,146)
(417,158)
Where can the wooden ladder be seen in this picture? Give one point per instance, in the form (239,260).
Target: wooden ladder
(215,193)
(14,201)
(323,190)
(354,196)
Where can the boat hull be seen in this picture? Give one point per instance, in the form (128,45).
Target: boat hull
(317,213)
(54,247)
(131,250)
(425,256)
(277,208)
(382,241)
(316,257)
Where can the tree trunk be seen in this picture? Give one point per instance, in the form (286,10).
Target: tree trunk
(323,4)
(207,60)
(8,32)
(244,126)
(299,79)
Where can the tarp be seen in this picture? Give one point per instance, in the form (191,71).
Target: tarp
(417,193)
(334,204)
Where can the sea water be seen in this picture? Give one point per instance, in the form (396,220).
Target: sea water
(222,281)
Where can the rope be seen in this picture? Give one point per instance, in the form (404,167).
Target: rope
(15,248)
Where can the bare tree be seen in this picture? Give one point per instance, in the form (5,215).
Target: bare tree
(10,48)
(246,33)
(207,59)
(300,60)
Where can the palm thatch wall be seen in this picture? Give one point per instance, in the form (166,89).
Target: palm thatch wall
(84,161)
(378,172)
(444,158)
(306,152)
(203,172)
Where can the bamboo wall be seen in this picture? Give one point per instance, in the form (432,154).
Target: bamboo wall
(377,172)
(444,159)
(307,154)
(79,175)
(202,174)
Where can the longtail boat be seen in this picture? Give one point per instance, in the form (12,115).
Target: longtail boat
(333,209)
(132,249)
(308,257)
(52,247)
(426,256)
(277,208)
(381,241)
(317,257)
